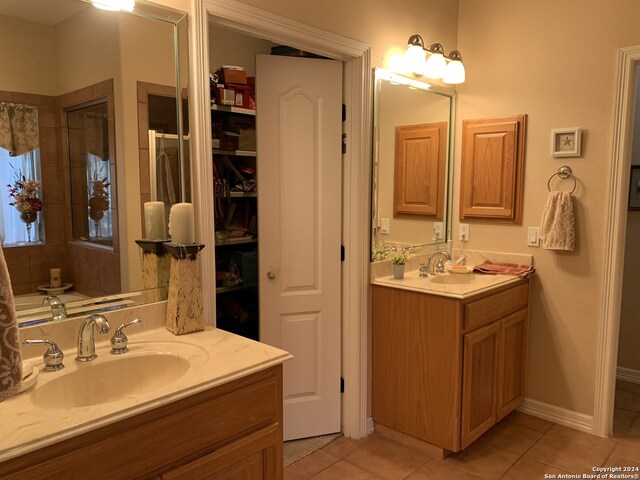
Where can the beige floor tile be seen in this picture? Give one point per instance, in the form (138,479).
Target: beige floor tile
(573,453)
(627,400)
(528,421)
(484,460)
(387,459)
(616,461)
(345,471)
(307,467)
(511,437)
(628,448)
(622,421)
(628,386)
(440,469)
(343,446)
(529,469)
(582,438)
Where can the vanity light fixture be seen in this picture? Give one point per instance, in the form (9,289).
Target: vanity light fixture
(437,65)
(114,5)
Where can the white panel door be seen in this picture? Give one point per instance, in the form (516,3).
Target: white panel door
(299,183)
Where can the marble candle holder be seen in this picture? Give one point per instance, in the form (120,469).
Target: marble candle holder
(155,269)
(184,304)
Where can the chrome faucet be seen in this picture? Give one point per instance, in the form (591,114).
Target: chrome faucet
(86,337)
(439,267)
(58,310)
(53,357)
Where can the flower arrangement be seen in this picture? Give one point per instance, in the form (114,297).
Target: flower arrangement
(400,255)
(99,201)
(24,192)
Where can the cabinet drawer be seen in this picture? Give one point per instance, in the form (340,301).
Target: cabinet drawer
(493,307)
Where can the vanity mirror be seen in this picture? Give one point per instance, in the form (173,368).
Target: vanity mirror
(109,93)
(411,190)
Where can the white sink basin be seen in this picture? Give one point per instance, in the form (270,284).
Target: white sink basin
(115,378)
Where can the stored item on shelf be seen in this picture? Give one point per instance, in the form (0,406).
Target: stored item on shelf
(225,96)
(247,139)
(230,140)
(248,265)
(232,74)
(241,95)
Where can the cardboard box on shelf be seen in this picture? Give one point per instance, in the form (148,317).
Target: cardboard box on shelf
(232,74)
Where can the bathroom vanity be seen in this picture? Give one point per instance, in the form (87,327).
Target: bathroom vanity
(447,365)
(221,418)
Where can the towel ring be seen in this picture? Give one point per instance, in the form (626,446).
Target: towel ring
(564,173)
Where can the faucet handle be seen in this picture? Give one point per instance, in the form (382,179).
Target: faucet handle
(52,357)
(423,271)
(119,340)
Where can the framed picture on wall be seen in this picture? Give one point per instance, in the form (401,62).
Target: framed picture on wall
(634,188)
(566,142)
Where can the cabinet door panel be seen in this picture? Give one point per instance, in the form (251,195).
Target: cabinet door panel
(481,353)
(513,354)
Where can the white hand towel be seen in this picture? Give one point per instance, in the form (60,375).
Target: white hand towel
(557,226)
(10,362)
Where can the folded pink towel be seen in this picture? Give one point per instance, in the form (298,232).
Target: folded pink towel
(522,271)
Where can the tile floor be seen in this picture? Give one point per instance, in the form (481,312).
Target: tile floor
(520,447)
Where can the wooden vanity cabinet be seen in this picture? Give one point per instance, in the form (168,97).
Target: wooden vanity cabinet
(445,370)
(230,432)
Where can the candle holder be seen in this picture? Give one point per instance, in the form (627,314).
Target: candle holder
(155,269)
(184,304)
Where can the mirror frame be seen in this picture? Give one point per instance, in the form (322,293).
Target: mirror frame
(178,20)
(380,75)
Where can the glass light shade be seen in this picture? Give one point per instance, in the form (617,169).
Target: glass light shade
(454,73)
(414,59)
(435,66)
(114,5)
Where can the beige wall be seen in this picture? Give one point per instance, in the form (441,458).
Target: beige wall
(556,62)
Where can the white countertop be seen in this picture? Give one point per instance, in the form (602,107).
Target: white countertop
(466,284)
(216,357)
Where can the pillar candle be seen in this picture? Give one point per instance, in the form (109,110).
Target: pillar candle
(55,278)
(181,225)
(154,225)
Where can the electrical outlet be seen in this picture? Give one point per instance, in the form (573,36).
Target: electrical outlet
(437,230)
(533,237)
(463,232)
(384,226)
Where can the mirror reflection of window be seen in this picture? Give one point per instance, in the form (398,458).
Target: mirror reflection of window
(90,173)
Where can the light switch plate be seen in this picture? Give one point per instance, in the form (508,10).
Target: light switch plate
(384,226)
(463,232)
(533,236)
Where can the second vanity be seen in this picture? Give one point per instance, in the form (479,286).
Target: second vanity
(219,413)
(448,359)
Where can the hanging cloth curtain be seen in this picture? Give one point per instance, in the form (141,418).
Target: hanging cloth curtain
(18,128)
(95,142)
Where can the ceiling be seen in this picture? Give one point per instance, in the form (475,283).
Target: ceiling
(48,12)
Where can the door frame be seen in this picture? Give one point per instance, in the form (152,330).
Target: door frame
(357,81)
(607,356)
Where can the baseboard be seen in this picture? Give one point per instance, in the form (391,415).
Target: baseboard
(370,426)
(628,374)
(562,416)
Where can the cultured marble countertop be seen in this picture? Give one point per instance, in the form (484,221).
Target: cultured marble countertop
(217,357)
(456,285)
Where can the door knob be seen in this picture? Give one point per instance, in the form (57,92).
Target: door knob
(271,275)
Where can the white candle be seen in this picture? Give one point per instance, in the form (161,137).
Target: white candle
(154,224)
(181,225)
(55,278)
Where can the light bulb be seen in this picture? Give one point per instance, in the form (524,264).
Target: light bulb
(454,72)
(414,60)
(435,66)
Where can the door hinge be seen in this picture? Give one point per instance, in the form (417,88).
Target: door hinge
(342,253)
(344,112)
(341,385)
(344,143)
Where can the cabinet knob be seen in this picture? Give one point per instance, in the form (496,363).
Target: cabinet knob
(271,275)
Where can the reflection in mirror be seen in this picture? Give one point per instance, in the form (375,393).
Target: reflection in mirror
(411,164)
(98,82)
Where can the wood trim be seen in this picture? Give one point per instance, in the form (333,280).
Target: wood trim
(607,352)
(494,189)
(426,447)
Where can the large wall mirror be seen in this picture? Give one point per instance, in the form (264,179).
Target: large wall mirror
(411,191)
(95,101)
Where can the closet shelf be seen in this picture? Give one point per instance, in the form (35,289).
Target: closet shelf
(230,109)
(237,241)
(237,153)
(235,288)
